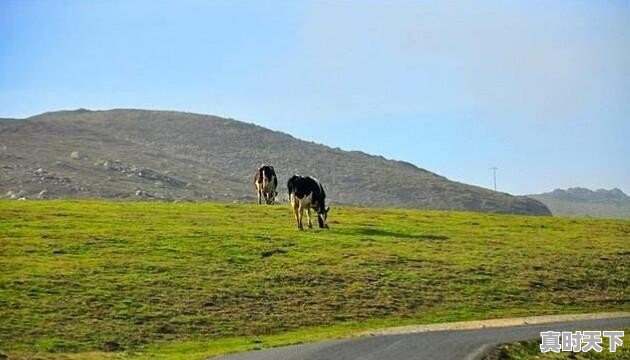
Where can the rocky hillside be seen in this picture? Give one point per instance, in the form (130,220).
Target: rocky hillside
(139,154)
(578,201)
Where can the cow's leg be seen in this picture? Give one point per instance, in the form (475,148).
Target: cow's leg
(301,215)
(296,211)
(308,217)
(259,197)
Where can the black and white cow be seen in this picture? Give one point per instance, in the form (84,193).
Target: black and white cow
(266,183)
(306,193)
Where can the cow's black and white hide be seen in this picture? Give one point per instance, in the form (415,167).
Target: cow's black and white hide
(266,183)
(306,193)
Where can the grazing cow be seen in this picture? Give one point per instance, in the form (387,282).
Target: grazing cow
(306,193)
(266,183)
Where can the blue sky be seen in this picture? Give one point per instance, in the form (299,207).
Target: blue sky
(539,89)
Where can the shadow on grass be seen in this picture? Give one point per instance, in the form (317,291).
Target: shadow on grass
(380,232)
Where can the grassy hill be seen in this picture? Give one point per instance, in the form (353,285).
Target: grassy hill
(95,279)
(136,154)
(583,202)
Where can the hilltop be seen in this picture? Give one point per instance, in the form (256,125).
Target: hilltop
(579,201)
(141,154)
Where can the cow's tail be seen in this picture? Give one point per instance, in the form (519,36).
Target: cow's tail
(265,179)
(274,180)
(291,185)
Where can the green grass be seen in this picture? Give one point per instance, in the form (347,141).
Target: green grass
(184,281)
(527,350)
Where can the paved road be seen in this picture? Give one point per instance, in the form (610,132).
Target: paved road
(437,345)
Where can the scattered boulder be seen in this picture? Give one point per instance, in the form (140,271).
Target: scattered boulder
(42,194)
(75,155)
(146,195)
(43,175)
(157,177)
(16,195)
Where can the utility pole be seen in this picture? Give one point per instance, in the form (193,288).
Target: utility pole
(494,175)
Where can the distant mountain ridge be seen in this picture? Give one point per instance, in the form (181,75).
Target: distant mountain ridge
(584,194)
(144,154)
(579,201)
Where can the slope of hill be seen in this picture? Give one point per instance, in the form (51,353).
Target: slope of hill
(124,154)
(578,201)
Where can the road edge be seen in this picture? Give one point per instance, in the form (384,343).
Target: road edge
(491,323)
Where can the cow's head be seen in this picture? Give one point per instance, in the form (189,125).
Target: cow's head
(322,216)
